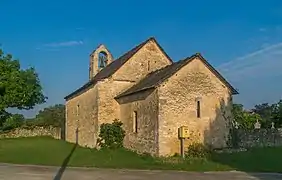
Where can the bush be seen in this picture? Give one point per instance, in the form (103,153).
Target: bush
(197,150)
(111,135)
(233,138)
(12,122)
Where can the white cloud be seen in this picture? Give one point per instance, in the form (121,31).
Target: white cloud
(256,75)
(262,29)
(260,57)
(64,44)
(79,28)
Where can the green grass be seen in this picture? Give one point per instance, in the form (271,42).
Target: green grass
(48,151)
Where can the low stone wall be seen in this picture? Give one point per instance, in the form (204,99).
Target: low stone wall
(36,131)
(259,137)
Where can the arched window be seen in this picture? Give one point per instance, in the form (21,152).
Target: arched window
(102,60)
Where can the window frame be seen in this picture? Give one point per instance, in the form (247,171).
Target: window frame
(198,108)
(135,122)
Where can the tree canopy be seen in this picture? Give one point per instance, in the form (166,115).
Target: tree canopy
(265,113)
(19,88)
(52,115)
(244,118)
(270,113)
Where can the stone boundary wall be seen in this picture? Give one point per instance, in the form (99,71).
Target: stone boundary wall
(259,137)
(36,131)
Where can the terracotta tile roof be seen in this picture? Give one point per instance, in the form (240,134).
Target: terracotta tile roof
(110,69)
(157,77)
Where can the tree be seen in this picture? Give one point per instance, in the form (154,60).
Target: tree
(270,113)
(3,116)
(13,121)
(277,113)
(19,88)
(245,119)
(265,111)
(52,115)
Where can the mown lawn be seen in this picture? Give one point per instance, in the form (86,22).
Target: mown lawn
(48,151)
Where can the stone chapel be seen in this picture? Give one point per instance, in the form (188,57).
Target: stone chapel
(152,96)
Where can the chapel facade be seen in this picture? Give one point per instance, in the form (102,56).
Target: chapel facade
(152,96)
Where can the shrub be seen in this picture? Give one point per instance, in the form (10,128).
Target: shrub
(233,138)
(12,122)
(111,135)
(197,150)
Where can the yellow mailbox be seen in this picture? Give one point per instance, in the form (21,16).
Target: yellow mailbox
(183,132)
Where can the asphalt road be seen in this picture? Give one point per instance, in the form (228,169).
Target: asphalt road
(22,172)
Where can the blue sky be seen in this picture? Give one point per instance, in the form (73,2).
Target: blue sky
(241,39)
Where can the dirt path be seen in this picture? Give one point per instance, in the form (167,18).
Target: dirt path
(15,172)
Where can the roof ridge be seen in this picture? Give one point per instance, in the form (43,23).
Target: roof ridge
(157,77)
(173,64)
(114,65)
(136,47)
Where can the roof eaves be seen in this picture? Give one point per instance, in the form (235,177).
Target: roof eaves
(86,85)
(93,81)
(218,75)
(130,93)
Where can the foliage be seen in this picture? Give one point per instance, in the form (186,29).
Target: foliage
(19,88)
(233,139)
(270,113)
(52,115)
(197,150)
(111,135)
(265,111)
(4,115)
(14,121)
(245,119)
(276,115)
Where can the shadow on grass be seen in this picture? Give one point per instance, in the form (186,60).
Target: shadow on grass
(64,165)
(66,161)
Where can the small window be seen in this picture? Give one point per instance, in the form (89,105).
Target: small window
(198,109)
(149,65)
(135,123)
(77,110)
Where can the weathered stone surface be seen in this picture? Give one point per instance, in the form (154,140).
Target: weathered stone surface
(147,59)
(82,118)
(108,107)
(97,104)
(94,60)
(36,131)
(145,104)
(178,108)
(160,111)
(259,137)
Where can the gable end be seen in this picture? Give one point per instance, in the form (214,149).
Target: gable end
(157,77)
(110,69)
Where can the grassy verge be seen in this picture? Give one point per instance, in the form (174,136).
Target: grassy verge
(47,151)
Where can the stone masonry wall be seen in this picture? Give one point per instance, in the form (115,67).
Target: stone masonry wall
(82,118)
(259,137)
(149,58)
(145,104)
(36,131)
(94,58)
(97,104)
(178,107)
(108,107)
